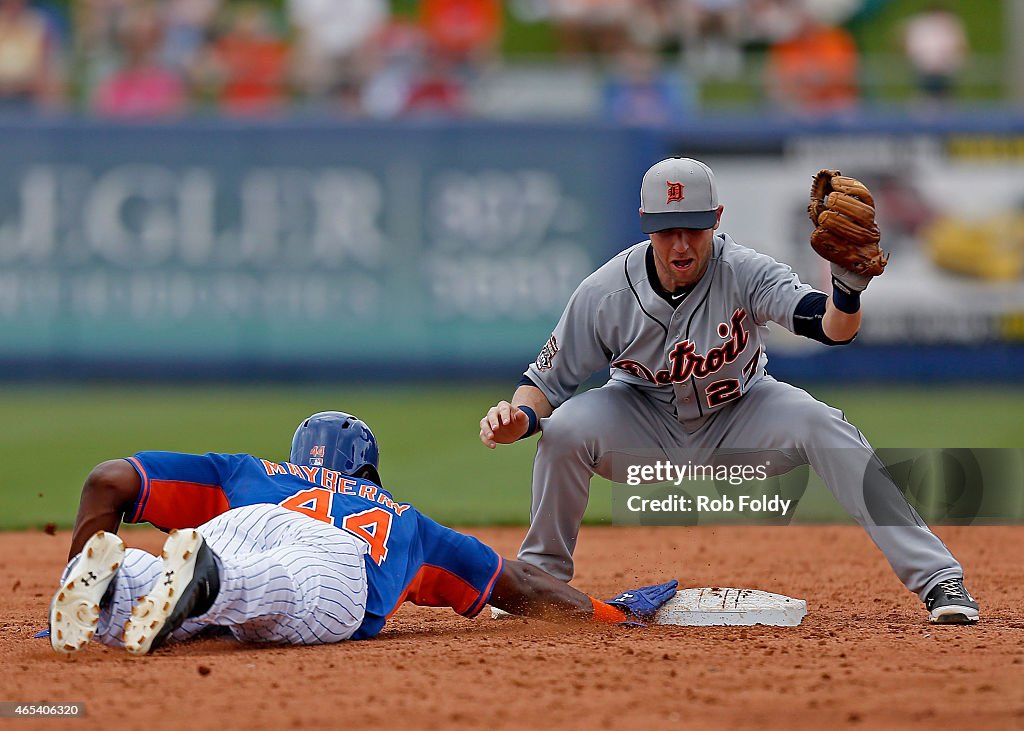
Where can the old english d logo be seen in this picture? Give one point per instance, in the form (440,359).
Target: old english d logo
(675,191)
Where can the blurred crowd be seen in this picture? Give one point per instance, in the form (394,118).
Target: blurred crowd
(150,59)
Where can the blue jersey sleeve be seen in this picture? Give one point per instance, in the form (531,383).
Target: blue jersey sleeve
(434,567)
(181,490)
(457,570)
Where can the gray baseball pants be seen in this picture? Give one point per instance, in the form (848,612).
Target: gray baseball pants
(606,429)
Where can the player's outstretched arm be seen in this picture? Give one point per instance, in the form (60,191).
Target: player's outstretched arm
(527,590)
(505,422)
(109,490)
(846,235)
(837,325)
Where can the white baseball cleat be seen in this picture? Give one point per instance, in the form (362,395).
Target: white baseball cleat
(75,609)
(186,588)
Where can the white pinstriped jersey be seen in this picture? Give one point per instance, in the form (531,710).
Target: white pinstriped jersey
(285,578)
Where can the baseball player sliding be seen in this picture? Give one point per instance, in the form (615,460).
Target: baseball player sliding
(304,552)
(681,321)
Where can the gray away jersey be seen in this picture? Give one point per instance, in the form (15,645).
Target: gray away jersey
(701,355)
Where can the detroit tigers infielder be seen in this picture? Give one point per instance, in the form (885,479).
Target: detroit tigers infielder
(681,320)
(308,551)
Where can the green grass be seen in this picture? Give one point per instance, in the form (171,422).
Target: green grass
(51,437)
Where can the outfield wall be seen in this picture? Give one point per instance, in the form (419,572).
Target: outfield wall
(312,249)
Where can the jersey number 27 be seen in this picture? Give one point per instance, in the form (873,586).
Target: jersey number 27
(372,525)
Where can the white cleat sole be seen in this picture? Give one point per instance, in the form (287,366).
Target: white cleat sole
(151,612)
(75,609)
(953,614)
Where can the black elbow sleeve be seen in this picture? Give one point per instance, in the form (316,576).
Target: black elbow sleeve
(807,319)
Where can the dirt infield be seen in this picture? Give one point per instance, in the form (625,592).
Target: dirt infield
(864,656)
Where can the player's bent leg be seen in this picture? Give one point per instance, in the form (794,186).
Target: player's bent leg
(135,577)
(188,584)
(290,579)
(591,432)
(843,458)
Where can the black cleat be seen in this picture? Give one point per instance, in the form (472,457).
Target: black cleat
(950,603)
(187,588)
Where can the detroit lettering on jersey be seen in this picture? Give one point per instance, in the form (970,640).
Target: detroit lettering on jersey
(684,362)
(692,356)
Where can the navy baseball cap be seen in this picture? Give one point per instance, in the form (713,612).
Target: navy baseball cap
(678,193)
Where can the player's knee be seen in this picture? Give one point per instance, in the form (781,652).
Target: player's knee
(815,419)
(562,432)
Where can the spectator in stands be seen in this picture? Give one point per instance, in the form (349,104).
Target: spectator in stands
(935,42)
(437,90)
(333,44)
(97,49)
(711,37)
(653,24)
(29,68)
(397,55)
(188,27)
(813,72)
(766,22)
(591,26)
(141,87)
(247,65)
(466,32)
(410,77)
(640,93)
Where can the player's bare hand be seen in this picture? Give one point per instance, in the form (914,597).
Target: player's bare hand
(503,424)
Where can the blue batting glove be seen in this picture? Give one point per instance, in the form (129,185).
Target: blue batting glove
(643,603)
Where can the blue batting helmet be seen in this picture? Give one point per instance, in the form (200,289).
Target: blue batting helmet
(337,441)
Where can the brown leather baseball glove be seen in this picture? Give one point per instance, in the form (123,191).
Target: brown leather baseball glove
(843,212)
